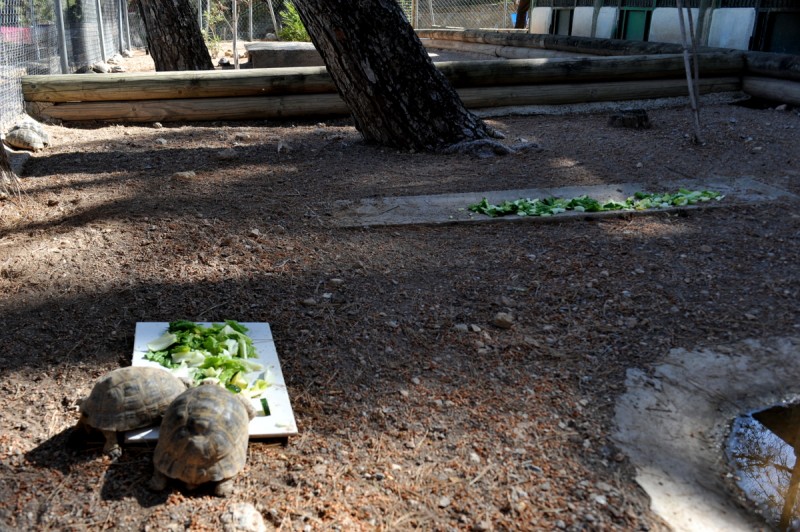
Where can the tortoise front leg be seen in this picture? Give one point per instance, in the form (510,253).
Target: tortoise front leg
(112,448)
(158,482)
(224,488)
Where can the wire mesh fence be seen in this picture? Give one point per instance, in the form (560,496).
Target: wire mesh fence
(488,14)
(56,37)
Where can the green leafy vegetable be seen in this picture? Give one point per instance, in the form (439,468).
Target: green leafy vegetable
(218,353)
(551,206)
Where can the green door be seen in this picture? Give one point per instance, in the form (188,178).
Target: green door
(635,24)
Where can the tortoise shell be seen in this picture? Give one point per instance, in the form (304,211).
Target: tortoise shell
(24,139)
(37,128)
(203,436)
(129,398)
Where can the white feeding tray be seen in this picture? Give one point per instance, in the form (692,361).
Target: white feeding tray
(279,423)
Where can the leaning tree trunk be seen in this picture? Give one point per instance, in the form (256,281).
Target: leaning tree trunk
(8,179)
(398,98)
(173,36)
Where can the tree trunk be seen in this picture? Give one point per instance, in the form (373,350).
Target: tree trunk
(7,176)
(173,36)
(383,73)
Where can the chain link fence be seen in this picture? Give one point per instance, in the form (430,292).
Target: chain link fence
(57,37)
(486,14)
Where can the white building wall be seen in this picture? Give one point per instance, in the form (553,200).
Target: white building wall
(582,21)
(732,27)
(606,23)
(540,18)
(665,25)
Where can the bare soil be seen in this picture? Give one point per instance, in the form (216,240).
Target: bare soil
(415,411)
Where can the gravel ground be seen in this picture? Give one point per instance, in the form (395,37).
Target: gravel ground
(417,409)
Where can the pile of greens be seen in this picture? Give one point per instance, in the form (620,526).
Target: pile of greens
(550,206)
(218,353)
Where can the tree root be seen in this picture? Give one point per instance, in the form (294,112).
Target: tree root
(485,148)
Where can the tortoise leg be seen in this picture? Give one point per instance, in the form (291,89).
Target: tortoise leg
(224,488)
(112,448)
(158,482)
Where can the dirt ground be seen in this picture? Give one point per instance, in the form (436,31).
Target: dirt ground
(415,411)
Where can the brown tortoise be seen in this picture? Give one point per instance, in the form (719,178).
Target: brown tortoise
(126,399)
(203,438)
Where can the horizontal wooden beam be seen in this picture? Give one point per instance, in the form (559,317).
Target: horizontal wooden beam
(161,85)
(292,106)
(778,90)
(315,80)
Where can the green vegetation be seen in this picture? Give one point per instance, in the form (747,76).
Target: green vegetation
(550,206)
(292,27)
(217,354)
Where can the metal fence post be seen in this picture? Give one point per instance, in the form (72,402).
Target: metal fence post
(235,35)
(200,14)
(124,7)
(120,24)
(99,9)
(62,36)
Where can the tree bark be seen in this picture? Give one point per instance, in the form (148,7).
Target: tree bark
(7,176)
(381,70)
(173,36)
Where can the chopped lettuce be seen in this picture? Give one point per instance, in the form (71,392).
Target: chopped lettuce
(551,206)
(219,353)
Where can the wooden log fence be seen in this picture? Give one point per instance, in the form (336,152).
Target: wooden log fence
(309,91)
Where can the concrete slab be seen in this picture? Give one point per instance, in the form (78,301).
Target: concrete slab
(673,423)
(452,208)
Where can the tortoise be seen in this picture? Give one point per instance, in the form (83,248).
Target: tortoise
(25,139)
(203,439)
(125,399)
(36,127)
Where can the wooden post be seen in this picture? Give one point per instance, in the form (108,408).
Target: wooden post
(235,43)
(62,36)
(101,32)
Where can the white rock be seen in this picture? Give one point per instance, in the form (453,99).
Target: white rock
(242,517)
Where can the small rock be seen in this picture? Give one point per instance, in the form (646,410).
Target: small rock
(242,136)
(161,141)
(284,146)
(228,154)
(503,320)
(157,125)
(444,502)
(242,517)
(404,393)
(474,458)
(475,328)
(461,327)
(782,107)
(705,248)
(255,232)
(310,302)
(184,175)
(416,381)
(483,526)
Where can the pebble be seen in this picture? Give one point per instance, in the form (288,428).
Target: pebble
(157,125)
(444,502)
(184,175)
(474,458)
(503,320)
(228,154)
(161,141)
(461,327)
(242,517)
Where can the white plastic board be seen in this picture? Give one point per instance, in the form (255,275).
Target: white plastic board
(279,423)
